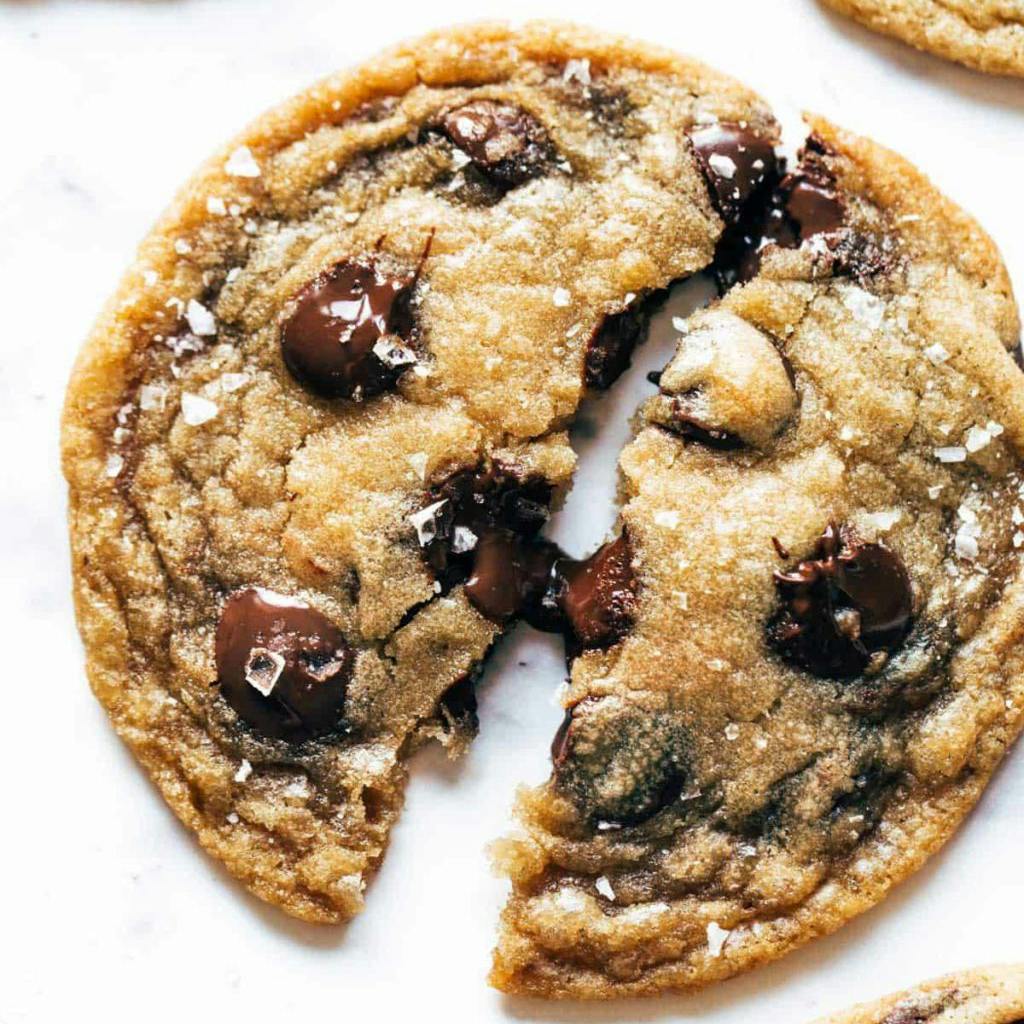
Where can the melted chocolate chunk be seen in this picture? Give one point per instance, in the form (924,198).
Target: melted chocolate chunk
(611,346)
(480,529)
(504,142)
(597,596)
(737,164)
(509,573)
(620,764)
(283,666)
(689,426)
(349,334)
(812,202)
(843,606)
(804,204)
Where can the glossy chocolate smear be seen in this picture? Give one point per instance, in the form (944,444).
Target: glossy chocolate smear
(844,609)
(283,666)
(812,203)
(736,162)
(611,346)
(620,764)
(349,335)
(504,142)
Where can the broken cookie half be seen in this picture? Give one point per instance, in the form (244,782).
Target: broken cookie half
(313,441)
(824,663)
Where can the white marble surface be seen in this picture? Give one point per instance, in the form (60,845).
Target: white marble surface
(109,910)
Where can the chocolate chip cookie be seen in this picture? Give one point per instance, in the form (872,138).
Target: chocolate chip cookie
(984,34)
(987,995)
(822,664)
(313,439)
(313,442)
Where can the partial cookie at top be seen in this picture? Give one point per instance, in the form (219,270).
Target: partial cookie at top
(985,995)
(825,509)
(312,440)
(984,34)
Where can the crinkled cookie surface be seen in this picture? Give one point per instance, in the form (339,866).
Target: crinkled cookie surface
(984,34)
(313,441)
(986,995)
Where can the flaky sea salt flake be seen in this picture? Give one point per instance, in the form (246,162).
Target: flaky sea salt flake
(201,321)
(233,381)
(152,396)
(561,297)
(244,771)
(578,70)
(425,521)
(418,461)
(717,938)
(196,410)
(977,438)
(242,164)
(604,887)
(952,454)
(263,669)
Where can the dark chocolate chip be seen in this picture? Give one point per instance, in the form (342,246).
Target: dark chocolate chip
(611,346)
(598,595)
(841,607)
(813,203)
(805,204)
(737,164)
(479,528)
(504,142)
(687,425)
(283,666)
(508,573)
(349,334)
